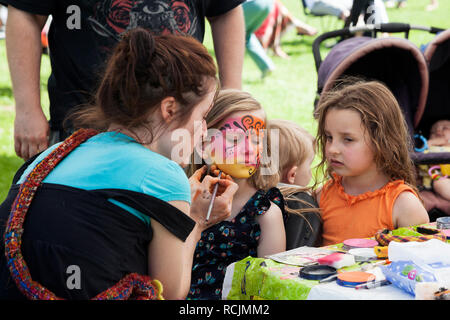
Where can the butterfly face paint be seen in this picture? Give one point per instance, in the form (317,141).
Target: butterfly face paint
(237,148)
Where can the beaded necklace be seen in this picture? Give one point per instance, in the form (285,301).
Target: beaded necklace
(132,286)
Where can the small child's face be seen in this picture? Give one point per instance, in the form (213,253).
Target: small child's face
(441,129)
(347,149)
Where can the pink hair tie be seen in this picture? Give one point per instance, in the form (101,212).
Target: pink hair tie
(437,175)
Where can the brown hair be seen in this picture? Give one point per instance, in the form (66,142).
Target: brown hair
(230,101)
(143,70)
(382,118)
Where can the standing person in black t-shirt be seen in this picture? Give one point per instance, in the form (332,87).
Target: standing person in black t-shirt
(81,37)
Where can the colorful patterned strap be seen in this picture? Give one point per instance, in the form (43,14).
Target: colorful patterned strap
(385,236)
(132,286)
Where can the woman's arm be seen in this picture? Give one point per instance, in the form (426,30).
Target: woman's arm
(408,211)
(24,50)
(273,235)
(169,258)
(228,33)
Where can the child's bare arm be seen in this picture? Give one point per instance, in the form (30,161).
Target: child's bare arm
(273,235)
(442,187)
(439,141)
(317,193)
(408,211)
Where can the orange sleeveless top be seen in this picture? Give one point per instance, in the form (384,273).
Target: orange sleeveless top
(346,216)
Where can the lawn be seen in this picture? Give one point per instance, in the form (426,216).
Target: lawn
(287,93)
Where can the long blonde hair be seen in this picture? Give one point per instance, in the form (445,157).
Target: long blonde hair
(230,101)
(383,119)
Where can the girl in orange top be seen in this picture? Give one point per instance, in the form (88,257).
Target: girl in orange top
(364,143)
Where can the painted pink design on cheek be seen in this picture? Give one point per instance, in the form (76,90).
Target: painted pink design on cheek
(238,139)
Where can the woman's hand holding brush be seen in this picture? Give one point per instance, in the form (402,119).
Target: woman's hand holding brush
(202,191)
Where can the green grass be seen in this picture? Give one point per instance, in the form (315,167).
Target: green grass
(288,93)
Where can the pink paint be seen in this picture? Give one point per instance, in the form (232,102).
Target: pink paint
(360,243)
(331,258)
(241,141)
(446,232)
(337,260)
(412,274)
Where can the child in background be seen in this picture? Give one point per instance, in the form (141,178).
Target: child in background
(440,142)
(255,227)
(364,144)
(276,25)
(255,12)
(296,154)
(433,5)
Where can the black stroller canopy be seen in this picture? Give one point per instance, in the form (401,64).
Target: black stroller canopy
(394,61)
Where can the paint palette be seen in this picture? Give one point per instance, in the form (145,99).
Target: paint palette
(353,278)
(363,254)
(359,243)
(443,223)
(317,272)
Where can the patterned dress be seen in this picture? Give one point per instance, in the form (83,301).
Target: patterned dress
(228,242)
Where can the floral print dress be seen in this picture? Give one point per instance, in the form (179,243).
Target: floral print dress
(228,242)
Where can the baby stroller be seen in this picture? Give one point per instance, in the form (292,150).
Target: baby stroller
(437,54)
(419,82)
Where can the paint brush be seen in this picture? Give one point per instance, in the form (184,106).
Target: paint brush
(329,279)
(211,204)
(373,284)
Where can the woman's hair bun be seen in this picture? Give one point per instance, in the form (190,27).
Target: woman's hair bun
(140,46)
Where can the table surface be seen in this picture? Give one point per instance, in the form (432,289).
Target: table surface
(259,278)
(278,281)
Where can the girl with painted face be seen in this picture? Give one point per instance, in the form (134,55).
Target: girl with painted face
(364,144)
(235,143)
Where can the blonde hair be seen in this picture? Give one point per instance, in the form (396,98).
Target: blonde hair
(230,101)
(383,119)
(294,145)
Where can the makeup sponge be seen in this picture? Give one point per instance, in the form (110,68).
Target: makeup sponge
(337,260)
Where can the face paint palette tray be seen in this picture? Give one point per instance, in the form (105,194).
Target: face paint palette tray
(317,272)
(358,243)
(443,223)
(353,278)
(363,254)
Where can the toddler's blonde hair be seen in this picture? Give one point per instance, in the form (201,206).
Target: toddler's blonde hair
(295,144)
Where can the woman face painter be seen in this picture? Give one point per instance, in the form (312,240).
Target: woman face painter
(109,200)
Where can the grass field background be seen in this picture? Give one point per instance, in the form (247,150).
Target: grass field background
(287,93)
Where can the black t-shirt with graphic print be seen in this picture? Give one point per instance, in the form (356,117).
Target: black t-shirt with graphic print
(82,34)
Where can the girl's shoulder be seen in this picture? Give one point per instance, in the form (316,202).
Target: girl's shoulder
(333,190)
(274,194)
(408,210)
(262,200)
